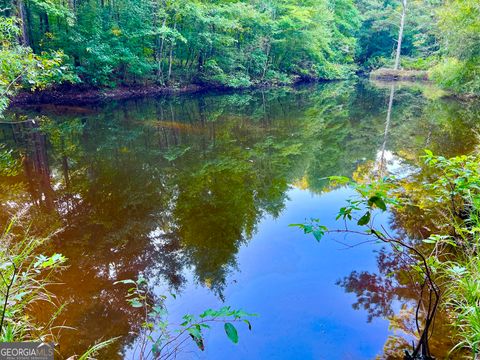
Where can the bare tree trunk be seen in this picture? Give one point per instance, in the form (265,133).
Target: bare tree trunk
(170,60)
(400,34)
(172,44)
(45,21)
(24,40)
(267,59)
(160,54)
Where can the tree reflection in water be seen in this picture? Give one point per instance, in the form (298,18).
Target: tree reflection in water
(167,186)
(392,292)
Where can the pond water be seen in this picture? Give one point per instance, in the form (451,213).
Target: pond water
(197,193)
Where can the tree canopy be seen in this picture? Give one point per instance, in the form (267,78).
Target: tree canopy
(234,43)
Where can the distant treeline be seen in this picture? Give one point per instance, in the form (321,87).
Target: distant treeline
(233,43)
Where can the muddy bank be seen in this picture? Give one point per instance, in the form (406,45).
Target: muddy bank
(81,95)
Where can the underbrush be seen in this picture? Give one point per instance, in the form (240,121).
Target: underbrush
(457,75)
(24,278)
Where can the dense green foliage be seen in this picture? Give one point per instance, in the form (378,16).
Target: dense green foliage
(379,32)
(460,35)
(234,44)
(224,43)
(440,35)
(20,67)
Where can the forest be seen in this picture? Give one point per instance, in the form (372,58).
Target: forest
(233,44)
(233,179)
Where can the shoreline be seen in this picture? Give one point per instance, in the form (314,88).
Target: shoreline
(82,95)
(69,94)
(78,94)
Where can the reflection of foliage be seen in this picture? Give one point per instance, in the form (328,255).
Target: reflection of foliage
(360,211)
(440,215)
(447,193)
(133,210)
(8,163)
(395,345)
(131,198)
(377,292)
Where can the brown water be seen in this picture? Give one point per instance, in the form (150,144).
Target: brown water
(196,192)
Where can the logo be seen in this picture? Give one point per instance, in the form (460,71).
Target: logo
(26,351)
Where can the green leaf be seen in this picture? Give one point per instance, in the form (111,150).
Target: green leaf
(364,219)
(45,262)
(297,225)
(319,232)
(231,332)
(206,313)
(248,323)
(195,331)
(199,342)
(127,281)
(141,280)
(135,303)
(378,201)
(156,347)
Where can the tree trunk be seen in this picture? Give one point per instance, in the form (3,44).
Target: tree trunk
(160,54)
(172,44)
(400,34)
(24,40)
(46,22)
(268,47)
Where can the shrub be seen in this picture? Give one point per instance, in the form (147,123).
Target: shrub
(457,75)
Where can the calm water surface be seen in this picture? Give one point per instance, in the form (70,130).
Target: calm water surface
(197,193)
